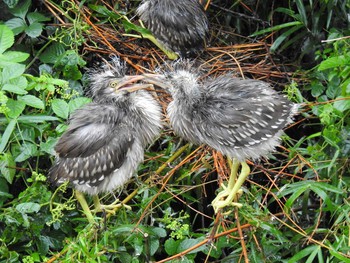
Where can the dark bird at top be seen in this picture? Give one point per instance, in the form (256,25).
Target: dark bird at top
(179,25)
(241,118)
(105,139)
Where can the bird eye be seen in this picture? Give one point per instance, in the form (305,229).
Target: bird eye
(113,84)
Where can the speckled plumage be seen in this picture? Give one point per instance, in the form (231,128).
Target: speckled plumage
(180,25)
(240,118)
(105,139)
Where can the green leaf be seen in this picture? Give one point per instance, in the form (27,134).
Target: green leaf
(43,245)
(297,189)
(36,17)
(49,145)
(28,208)
(7,38)
(21,10)
(331,135)
(32,101)
(321,193)
(59,82)
(34,30)
(52,52)
(171,246)
(286,11)
(20,82)
(60,108)
(158,231)
(14,56)
(16,108)
(105,12)
(317,89)
(6,135)
(295,39)
(37,118)
(12,71)
(329,188)
(77,103)
(333,90)
(334,62)
(302,12)
(61,128)
(14,89)
(342,103)
(276,28)
(18,25)
(188,243)
(128,26)
(154,246)
(72,72)
(304,253)
(339,256)
(270,228)
(28,150)
(124,257)
(7,167)
(70,58)
(4,190)
(11,3)
(283,37)
(27,135)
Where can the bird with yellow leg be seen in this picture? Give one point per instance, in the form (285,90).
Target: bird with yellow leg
(105,139)
(241,118)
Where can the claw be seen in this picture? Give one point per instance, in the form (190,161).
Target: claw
(233,189)
(109,209)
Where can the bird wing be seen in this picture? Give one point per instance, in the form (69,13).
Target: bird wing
(184,21)
(95,144)
(237,115)
(92,170)
(90,128)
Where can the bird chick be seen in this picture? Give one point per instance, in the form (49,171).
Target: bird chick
(105,139)
(179,25)
(241,118)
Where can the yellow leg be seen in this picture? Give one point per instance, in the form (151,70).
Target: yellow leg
(81,199)
(98,206)
(233,189)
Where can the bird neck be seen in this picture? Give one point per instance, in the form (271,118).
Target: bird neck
(188,94)
(146,115)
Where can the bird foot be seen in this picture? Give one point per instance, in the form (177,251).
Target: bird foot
(233,189)
(110,208)
(226,198)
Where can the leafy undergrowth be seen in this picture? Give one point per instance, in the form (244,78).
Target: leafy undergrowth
(295,204)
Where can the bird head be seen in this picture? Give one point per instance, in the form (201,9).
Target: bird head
(181,79)
(181,84)
(109,83)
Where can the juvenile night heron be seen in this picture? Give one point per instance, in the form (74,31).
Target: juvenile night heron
(239,118)
(104,142)
(179,25)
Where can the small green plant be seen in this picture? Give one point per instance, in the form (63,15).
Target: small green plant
(26,22)
(179,230)
(309,20)
(326,154)
(30,107)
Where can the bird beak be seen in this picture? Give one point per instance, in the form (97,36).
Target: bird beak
(157,79)
(129,83)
